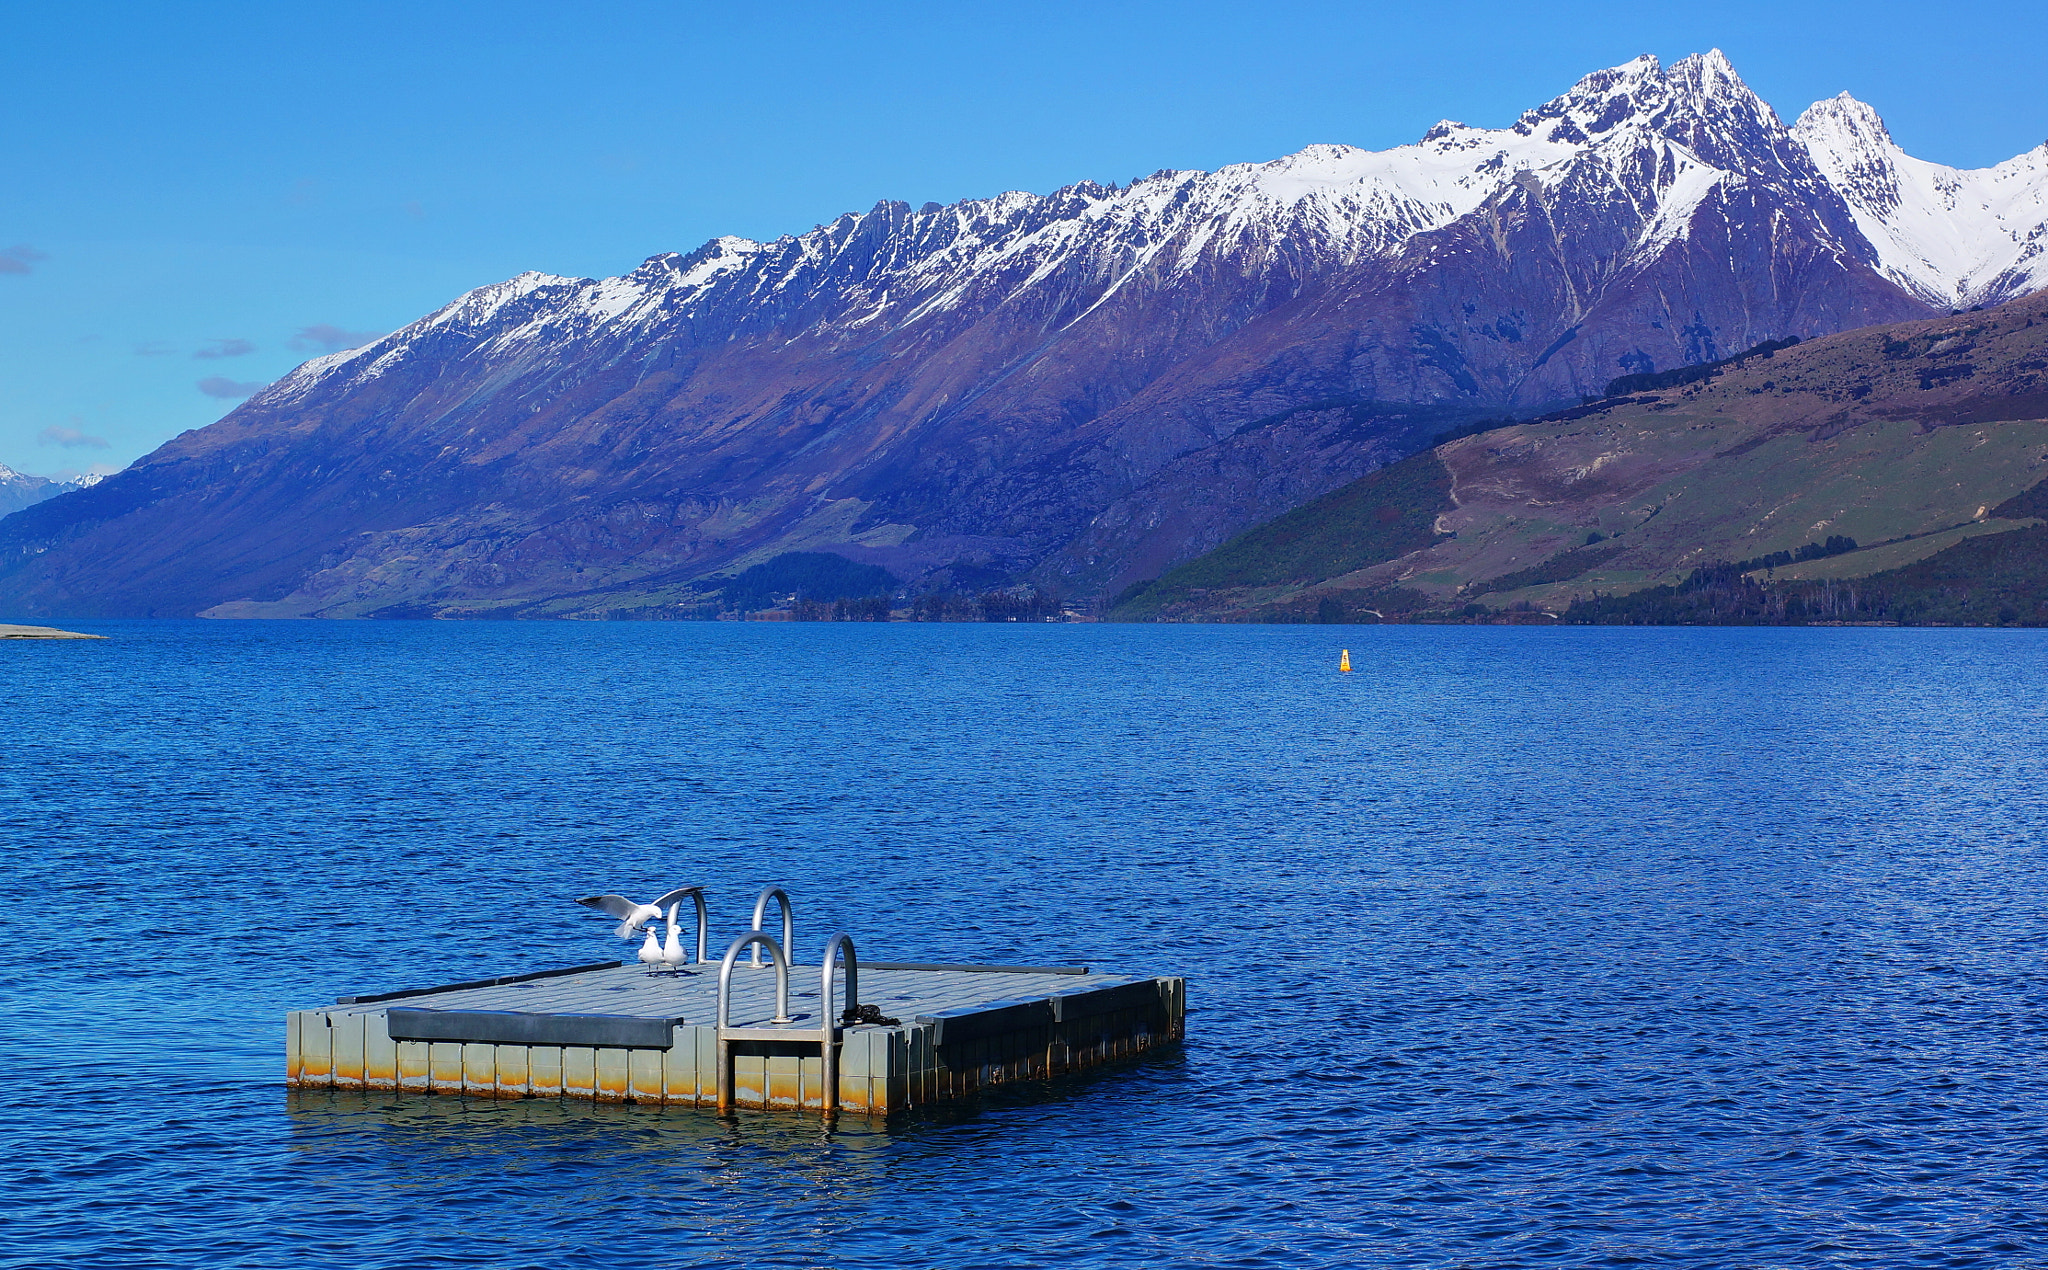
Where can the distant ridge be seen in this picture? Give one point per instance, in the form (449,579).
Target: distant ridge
(18,490)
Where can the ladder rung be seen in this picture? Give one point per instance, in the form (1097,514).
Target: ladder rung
(807,1034)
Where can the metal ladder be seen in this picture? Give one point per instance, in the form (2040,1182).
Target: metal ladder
(828,1032)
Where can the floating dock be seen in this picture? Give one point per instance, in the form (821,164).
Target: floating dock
(733,1034)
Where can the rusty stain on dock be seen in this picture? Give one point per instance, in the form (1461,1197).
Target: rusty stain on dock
(615,1033)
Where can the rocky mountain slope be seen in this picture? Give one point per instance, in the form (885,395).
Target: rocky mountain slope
(1079,388)
(1844,458)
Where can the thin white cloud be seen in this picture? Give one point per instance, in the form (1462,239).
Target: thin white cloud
(227,389)
(21,258)
(325,337)
(69,438)
(226,348)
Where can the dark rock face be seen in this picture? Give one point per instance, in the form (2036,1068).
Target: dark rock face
(1083,387)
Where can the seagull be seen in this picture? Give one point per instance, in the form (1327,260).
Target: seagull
(650,951)
(672,951)
(633,916)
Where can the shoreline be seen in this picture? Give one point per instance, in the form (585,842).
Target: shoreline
(40,632)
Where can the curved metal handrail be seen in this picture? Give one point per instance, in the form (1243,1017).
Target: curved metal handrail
(781,897)
(828,1025)
(758,939)
(703,921)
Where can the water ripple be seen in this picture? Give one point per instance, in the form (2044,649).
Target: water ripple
(1515,948)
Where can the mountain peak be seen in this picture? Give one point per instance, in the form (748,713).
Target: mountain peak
(1700,102)
(1842,116)
(1707,85)
(1596,103)
(1955,238)
(1710,67)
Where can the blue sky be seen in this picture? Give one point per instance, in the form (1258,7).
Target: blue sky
(195,200)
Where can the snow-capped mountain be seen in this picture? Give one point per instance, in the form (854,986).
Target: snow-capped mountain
(1645,145)
(1081,386)
(18,490)
(1957,238)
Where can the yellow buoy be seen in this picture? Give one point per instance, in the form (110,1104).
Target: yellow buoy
(1344,662)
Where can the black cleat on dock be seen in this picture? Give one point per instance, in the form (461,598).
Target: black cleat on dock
(872,1038)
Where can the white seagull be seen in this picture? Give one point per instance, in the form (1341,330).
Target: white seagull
(633,916)
(671,952)
(650,951)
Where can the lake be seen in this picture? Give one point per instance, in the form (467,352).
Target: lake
(1513,947)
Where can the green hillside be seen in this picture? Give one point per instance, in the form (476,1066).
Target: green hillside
(1383,516)
(1902,464)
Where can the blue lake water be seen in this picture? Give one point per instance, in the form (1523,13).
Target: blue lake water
(1514,947)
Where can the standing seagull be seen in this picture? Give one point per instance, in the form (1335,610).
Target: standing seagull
(633,916)
(671,952)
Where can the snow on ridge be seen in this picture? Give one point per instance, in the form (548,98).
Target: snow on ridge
(473,307)
(84,480)
(304,377)
(1339,200)
(1955,237)
(722,255)
(486,302)
(1364,202)
(1692,182)
(1663,139)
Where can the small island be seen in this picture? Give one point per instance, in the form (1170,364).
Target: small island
(41,632)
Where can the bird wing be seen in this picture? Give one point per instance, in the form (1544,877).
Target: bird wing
(675,895)
(616,905)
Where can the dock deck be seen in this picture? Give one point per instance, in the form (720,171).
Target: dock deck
(616,1033)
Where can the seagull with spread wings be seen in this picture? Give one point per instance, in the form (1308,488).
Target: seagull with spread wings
(633,916)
